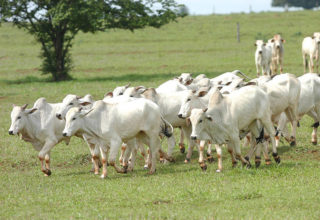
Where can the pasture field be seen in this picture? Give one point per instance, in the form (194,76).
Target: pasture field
(196,44)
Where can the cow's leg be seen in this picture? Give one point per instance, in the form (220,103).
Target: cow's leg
(265,152)
(201,156)
(192,143)
(181,143)
(154,149)
(233,158)
(258,155)
(114,149)
(104,151)
(281,65)
(304,62)
(270,130)
(209,152)
(311,65)
(143,152)
(258,72)
(219,156)
(293,119)
(47,159)
(95,158)
(171,145)
(315,126)
(235,142)
(123,149)
(49,144)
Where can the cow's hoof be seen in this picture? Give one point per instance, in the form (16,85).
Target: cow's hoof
(268,162)
(293,143)
(248,165)
(171,159)
(278,160)
(102,176)
(210,159)
(125,169)
(145,167)
(314,142)
(203,167)
(47,172)
(234,164)
(151,172)
(187,160)
(218,171)
(162,160)
(182,150)
(258,163)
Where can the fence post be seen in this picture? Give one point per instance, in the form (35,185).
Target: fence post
(238,32)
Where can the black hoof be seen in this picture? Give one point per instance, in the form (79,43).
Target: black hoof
(48,172)
(234,164)
(187,160)
(258,163)
(278,160)
(182,150)
(203,167)
(247,158)
(210,159)
(293,143)
(248,165)
(314,143)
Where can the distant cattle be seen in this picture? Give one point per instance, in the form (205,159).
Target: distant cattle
(263,57)
(310,48)
(277,53)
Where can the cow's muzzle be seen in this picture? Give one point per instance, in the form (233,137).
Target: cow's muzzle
(181,116)
(59,116)
(64,134)
(11,132)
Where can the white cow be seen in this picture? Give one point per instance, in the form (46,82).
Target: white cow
(263,57)
(228,118)
(310,48)
(172,85)
(39,126)
(277,53)
(227,77)
(185,78)
(107,124)
(120,90)
(309,103)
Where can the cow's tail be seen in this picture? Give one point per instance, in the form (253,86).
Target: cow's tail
(242,74)
(166,128)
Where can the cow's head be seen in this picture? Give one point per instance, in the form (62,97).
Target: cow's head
(260,46)
(18,118)
(316,37)
(185,79)
(134,91)
(199,119)
(120,90)
(192,100)
(278,41)
(68,102)
(150,94)
(73,120)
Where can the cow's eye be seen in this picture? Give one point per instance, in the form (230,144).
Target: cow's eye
(71,103)
(121,93)
(131,96)
(19,117)
(188,100)
(73,119)
(200,121)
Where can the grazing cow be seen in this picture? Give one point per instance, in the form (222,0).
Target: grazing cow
(263,56)
(107,124)
(39,126)
(310,48)
(309,103)
(277,53)
(228,118)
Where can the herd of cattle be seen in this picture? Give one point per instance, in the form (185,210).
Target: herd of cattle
(218,111)
(269,56)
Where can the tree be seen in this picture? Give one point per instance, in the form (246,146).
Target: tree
(306,4)
(183,10)
(55,23)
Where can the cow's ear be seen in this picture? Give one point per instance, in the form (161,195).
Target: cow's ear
(140,89)
(255,44)
(202,93)
(215,99)
(78,97)
(85,103)
(228,83)
(127,86)
(205,110)
(108,94)
(188,122)
(283,40)
(150,93)
(264,44)
(30,111)
(189,82)
(209,117)
(272,40)
(313,37)
(180,79)
(250,84)
(24,106)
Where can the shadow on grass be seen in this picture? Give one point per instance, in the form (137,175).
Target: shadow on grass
(129,77)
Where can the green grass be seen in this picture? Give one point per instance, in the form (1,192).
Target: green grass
(203,44)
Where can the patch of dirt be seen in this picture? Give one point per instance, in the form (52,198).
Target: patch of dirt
(26,71)
(159,202)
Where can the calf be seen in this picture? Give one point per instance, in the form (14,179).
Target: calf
(310,48)
(263,57)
